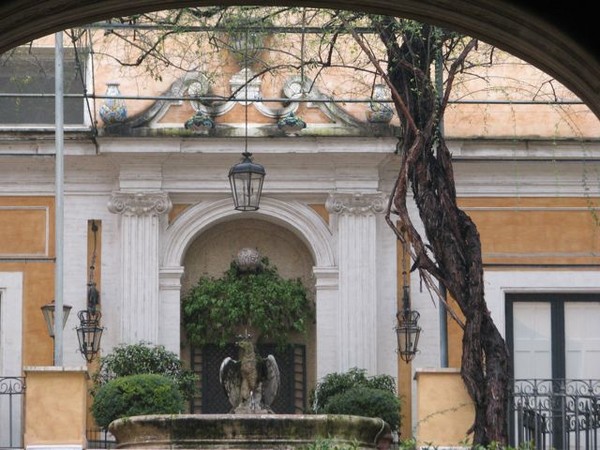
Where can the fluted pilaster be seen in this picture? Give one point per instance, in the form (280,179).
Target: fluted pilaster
(357,249)
(140,229)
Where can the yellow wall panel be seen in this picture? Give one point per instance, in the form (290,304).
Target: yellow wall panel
(26,227)
(24,231)
(27,246)
(537,231)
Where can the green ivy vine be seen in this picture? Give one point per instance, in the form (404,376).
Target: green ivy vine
(216,310)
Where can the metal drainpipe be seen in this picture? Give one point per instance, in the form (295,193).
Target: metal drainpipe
(59,201)
(439,79)
(443,330)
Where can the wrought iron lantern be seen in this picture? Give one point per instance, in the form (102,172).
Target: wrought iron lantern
(407,329)
(246,180)
(48,312)
(89,331)
(246,177)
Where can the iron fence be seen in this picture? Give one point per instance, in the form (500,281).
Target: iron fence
(555,414)
(12,390)
(99,438)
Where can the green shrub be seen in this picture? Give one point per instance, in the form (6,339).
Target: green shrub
(136,395)
(366,402)
(337,383)
(144,358)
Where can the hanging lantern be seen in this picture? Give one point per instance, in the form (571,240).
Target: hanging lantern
(407,329)
(89,333)
(246,180)
(408,332)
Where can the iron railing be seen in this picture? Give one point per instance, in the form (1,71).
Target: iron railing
(555,414)
(12,390)
(99,438)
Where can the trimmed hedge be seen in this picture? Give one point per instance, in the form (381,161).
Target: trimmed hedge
(366,402)
(144,358)
(136,395)
(355,393)
(337,383)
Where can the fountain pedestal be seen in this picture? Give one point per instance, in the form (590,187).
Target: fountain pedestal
(249,431)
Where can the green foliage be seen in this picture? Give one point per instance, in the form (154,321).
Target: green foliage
(407,444)
(216,308)
(337,383)
(144,358)
(136,395)
(367,402)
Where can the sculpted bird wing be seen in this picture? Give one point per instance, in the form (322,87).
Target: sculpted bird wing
(230,377)
(271,381)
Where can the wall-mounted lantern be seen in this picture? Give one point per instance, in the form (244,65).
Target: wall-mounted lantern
(48,312)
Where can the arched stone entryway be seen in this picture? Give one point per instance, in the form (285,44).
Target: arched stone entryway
(301,221)
(549,38)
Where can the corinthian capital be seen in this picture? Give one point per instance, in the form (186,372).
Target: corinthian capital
(356,203)
(139,203)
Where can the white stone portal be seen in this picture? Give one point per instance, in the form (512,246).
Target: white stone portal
(296,217)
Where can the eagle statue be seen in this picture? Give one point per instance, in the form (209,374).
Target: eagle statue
(250,383)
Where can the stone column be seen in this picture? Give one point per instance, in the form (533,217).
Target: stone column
(140,228)
(355,221)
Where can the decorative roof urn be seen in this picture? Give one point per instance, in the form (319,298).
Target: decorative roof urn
(113,110)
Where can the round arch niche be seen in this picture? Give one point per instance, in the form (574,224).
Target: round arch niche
(212,252)
(302,246)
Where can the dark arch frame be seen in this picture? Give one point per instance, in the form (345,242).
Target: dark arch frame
(561,39)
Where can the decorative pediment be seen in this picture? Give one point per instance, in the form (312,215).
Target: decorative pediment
(211,114)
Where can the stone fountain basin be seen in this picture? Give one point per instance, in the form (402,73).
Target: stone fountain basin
(248,431)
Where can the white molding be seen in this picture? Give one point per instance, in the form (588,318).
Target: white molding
(11,316)
(11,335)
(294,216)
(499,283)
(519,148)
(273,145)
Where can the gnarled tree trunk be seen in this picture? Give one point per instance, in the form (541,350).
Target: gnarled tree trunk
(451,252)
